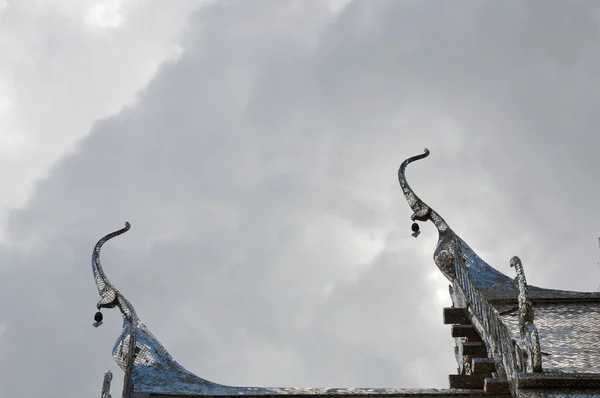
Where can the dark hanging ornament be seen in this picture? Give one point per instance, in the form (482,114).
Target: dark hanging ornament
(98,318)
(415,229)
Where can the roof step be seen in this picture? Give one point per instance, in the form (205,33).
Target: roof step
(464,331)
(496,386)
(467,382)
(456,316)
(475,349)
(483,366)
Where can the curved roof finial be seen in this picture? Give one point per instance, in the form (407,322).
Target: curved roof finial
(106,385)
(448,242)
(489,280)
(421,211)
(527,329)
(110,297)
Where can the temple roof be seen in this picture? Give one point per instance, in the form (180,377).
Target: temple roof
(337,392)
(152,371)
(568,323)
(494,284)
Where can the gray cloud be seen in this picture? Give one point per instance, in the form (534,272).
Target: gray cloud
(60,71)
(270,242)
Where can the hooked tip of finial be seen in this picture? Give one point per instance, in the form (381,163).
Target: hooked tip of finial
(410,160)
(127,225)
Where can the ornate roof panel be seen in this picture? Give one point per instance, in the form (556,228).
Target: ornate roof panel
(569,335)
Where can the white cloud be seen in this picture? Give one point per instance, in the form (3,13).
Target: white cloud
(258,169)
(57,76)
(105,14)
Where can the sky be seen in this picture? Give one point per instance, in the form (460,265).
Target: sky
(254,146)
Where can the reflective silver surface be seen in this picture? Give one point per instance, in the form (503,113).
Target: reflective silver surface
(563,393)
(494,284)
(485,277)
(569,330)
(106,385)
(527,329)
(500,344)
(569,336)
(149,368)
(501,310)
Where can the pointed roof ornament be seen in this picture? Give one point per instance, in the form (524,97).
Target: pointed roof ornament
(150,369)
(109,296)
(421,211)
(527,329)
(146,363)
(493,283)
(447,239)
(106,385)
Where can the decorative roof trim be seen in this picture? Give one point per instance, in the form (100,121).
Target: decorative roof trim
(529,333)
(496,286)
(110,297)
(421,211)
(150,369)
(490,278)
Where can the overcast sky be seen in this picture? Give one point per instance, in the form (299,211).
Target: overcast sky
(253,146)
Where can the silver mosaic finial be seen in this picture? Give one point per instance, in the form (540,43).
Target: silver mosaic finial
(109,296)
(527,329)
(422,212)
(146,363)
(485,277)
(150,369)
(106,385)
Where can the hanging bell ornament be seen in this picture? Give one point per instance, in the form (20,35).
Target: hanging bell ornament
(415,229)
(98,318)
